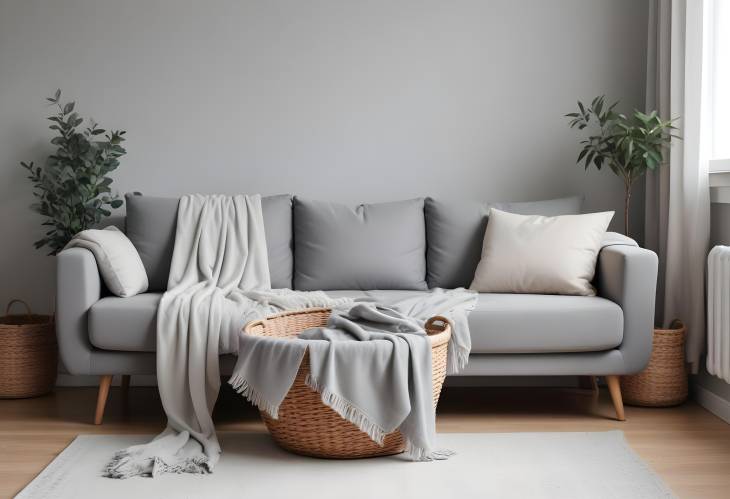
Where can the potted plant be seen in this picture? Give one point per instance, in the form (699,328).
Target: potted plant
(72,188)
(72,194)
(630,146)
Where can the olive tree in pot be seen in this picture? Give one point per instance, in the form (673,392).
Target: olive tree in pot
(72,189)
(628,145)
(631,146)
(72,194)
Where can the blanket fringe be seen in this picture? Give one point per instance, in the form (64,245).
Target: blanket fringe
(243,387)
(125,464)
(462,355)
(348,411)
(419,454)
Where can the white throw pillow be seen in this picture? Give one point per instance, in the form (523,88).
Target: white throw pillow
(535,254)
(118,260)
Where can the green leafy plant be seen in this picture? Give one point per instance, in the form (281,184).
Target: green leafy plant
(629,146)
(72,189)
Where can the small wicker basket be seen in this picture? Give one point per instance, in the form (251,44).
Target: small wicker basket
(28,354)
(306,426)
(664,381)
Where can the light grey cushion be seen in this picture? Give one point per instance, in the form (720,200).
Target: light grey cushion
(370,246)
(541,255)
(126,324)
(501,323)
(455,231)
(151,223)
(523,323)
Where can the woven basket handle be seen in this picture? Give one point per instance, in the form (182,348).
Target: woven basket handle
(28,312)
(254,324)
(436,324)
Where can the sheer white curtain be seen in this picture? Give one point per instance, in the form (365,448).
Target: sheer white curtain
(678,197)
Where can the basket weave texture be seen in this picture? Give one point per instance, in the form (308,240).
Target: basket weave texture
(28,354)
(306,425)
(664,381)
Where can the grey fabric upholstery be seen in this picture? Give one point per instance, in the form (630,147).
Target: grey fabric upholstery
(513,323)
(501,323)
(370,246)
(78,288)
(625,275)
(279,239)
(129,324)
(151,222)
(125,324)
(455,233)
(150,225)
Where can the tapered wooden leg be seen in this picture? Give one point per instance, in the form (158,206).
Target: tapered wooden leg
(125,384)
(614,389)
(104,384)
(588,383)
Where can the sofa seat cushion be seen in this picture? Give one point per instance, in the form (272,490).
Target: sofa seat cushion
(522,323)
(500,323)
(129,324)
(125,324)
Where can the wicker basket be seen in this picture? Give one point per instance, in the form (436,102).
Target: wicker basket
(307,426)
(28,354)
(664,381)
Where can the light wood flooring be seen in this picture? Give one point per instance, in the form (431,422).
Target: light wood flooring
(687,446)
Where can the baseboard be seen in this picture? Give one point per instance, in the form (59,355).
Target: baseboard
(712,402)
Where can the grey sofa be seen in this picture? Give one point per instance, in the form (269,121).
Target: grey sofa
(379,250)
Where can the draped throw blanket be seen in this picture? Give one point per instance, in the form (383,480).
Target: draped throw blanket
(371,365)
(219,280)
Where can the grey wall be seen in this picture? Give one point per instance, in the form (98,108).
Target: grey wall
(343,100)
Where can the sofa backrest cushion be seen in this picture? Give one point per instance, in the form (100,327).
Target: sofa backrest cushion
(370,246)
(279,239)
(151,223)
(455,232)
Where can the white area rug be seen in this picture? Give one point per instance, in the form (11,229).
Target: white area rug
(487,465)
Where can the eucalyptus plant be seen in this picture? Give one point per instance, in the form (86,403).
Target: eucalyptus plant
(629,146)
(72,189)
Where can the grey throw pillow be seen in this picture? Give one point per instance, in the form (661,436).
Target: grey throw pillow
(370,246)
(455,232)
(151,225)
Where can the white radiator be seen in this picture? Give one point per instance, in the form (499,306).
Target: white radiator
(718,312)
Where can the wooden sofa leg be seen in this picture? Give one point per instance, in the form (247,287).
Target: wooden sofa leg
(125,384)
(104,384)
(614,388)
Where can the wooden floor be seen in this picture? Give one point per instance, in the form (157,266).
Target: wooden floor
(687,446)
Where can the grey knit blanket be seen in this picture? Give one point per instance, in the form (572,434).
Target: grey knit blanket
(371,364)
(219,280)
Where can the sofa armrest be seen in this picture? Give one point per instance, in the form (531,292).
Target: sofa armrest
(78,287)
(627,275)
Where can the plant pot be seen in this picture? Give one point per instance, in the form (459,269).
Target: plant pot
(664,381)
(28,354)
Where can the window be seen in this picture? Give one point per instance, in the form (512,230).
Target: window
(720,86)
